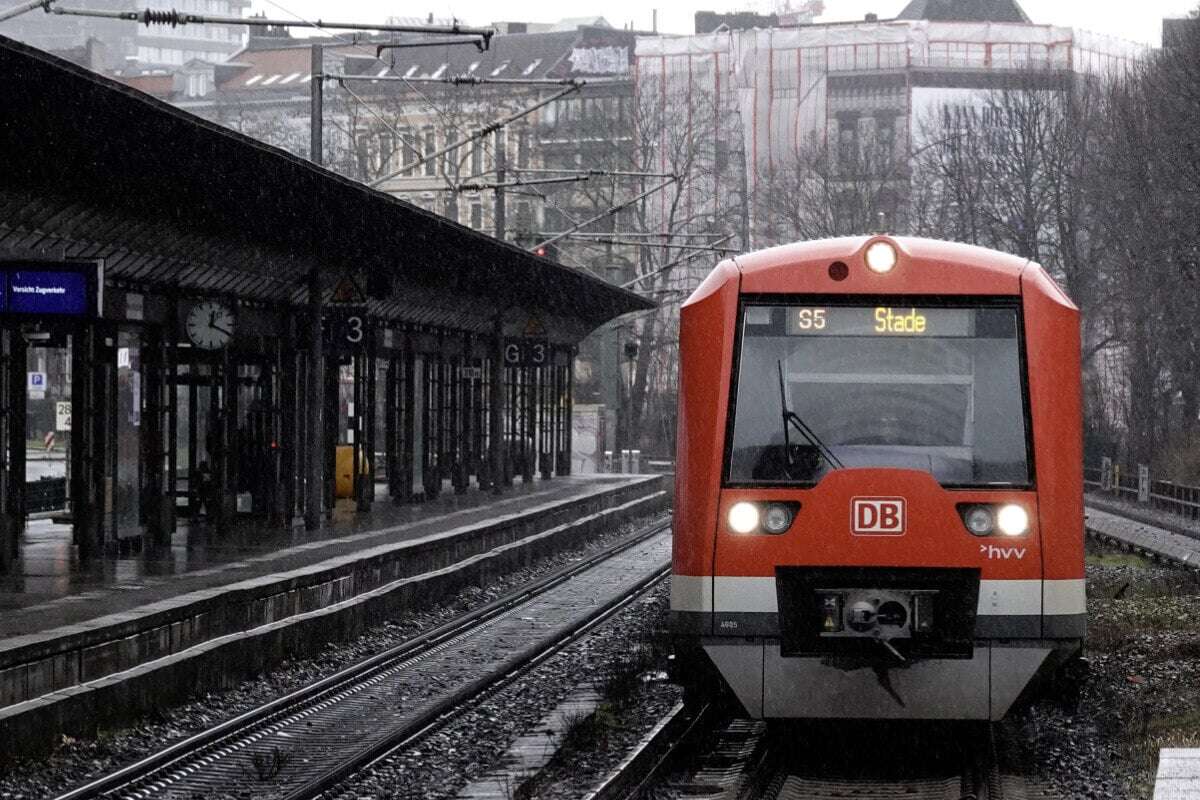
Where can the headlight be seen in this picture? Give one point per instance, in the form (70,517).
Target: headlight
(777,519)
(743,517)
(1012,520)
(979,521)
(881,258)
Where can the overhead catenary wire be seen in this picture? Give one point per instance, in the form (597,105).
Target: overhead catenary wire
(676,263)
(480,136)
(483,141)
(609,239)
(646,235)
(602,173)
(486,130)
(18,10)
(463,80)
(470,186)
(609,212)
(174,17)
(400,137)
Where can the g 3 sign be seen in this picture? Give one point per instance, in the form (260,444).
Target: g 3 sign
(526,352)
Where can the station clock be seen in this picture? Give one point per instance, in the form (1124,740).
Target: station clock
(210,324)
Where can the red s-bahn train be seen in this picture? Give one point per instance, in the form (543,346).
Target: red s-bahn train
(878,508)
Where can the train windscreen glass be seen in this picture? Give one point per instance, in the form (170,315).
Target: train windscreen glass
(934,389)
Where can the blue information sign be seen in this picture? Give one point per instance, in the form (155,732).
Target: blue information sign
(27,288)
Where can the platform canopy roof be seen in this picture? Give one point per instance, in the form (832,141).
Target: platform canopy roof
(92,168)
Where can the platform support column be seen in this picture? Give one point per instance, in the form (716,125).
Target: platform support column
(496,410)
(313,469)
(90,396)
(569,413)
(12,439)
(157,493)
(408,425)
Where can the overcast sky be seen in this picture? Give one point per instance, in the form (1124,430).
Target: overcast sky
(1139,20)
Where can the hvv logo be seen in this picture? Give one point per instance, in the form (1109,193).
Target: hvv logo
(1004,553)
(877,516)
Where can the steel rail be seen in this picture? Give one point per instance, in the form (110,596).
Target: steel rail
(452,706)
(656,754)
(238,727)
(745,762)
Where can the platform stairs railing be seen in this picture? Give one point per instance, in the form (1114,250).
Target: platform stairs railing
(1138,486)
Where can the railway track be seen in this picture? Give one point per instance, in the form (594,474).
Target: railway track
(307,742)
(744,759)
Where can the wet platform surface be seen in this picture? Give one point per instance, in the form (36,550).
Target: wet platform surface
(49,586)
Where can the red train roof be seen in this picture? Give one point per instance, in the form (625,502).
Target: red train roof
(925,267)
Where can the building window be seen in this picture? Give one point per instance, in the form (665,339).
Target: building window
(430,141)
(847,142)
(524,217)
(409,147)
(885,140)
(476,155)
(477,216)
(523,147)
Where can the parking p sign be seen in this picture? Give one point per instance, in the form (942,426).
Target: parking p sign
(37,385)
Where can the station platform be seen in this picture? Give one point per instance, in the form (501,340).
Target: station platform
(1178,774)
(209,609)
(1144,531)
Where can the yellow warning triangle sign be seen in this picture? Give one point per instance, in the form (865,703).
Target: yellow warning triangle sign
(534,327)
(346,291)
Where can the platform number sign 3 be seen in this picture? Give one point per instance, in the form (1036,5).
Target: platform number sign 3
(347,326)
(877,516)
(354,328)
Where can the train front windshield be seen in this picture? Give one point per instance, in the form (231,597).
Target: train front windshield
(933,389)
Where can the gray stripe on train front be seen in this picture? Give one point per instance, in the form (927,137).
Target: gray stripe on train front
(769,685)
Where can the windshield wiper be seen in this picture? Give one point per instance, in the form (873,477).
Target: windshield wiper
(792,418)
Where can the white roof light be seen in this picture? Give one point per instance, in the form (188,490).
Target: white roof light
(253,79)
(881,257)
(291,77)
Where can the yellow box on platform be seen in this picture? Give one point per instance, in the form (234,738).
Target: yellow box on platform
(344,471)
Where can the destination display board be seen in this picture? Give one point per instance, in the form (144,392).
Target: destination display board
(883,320)
(879,321)
(50,288)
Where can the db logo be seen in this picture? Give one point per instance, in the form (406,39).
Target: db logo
(877,516)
